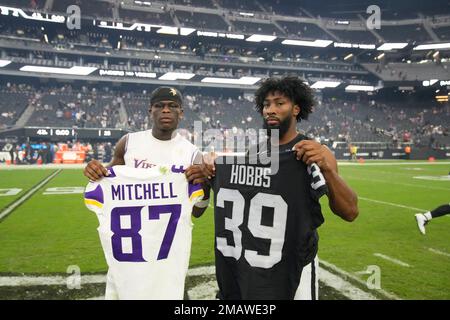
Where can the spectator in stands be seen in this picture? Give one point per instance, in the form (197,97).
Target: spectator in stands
(10,148)
(408,152)
(353,151)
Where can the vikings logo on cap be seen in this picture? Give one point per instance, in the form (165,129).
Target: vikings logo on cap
(166,93)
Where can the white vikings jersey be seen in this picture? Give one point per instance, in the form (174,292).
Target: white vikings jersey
(143,150)
(145,229)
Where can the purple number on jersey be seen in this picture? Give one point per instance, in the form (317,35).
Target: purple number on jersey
(175,210)
(136,240)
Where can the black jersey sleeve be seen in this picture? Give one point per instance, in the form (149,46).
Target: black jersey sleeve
(317,182)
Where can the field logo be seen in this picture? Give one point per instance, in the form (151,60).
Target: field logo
(9,192)
(73,18)
(74,280)
(64,190)
(374,20)
(433,178)
(374,280)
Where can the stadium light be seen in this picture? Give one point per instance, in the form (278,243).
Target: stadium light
(349,56)
(354,45)
(16,12)
(367,46)
(354,87)
(260,37)
(325,84)
(76,70)
(392,46)
(428,83)
(380,56)
(176,76)
(433,46)
(168,30)
(315,43)
(4,63)
(207,34)
(242,81)
(186,31)
(232,36)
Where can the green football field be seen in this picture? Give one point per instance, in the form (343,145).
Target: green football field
(48,233)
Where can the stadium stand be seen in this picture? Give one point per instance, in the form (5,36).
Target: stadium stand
(443,33)
(202,21)
(355,36)
(250,5)
(13,101)
(333,119)
(81,109)
(254,27)
(33,4)
(195,3)
(303,30)
(410,71)
(27,43)
(93,8)
(158,18)
(404,33)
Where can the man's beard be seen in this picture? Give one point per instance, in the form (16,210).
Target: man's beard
(283,127)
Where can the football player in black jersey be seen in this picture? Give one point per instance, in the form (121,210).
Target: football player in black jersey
(423,218)
(286,101)
(265,225)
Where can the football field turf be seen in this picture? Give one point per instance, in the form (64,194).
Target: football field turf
(48,233)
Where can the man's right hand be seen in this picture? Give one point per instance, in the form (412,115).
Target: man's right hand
(95,170)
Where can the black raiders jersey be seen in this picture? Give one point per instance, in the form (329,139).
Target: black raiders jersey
(265,225)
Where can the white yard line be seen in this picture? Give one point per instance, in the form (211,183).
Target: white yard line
(392,204)
(27,195)
(97,298)
(346,275)
(343,286)
(396,205)
(204,291)
(391,163)
(350,177)
(202,271)
(208,290)
(390,259)
(47,281)
(439,252)
(42,166)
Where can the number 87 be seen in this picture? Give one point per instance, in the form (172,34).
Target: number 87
(134,213)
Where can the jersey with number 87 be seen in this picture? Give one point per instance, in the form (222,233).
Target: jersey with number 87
(145,229)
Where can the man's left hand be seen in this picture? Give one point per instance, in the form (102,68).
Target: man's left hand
(311,151)
(199,173)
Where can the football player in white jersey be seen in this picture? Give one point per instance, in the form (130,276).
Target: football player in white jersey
(145,229)
(160,145)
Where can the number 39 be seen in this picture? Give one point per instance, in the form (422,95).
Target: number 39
(275,233)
